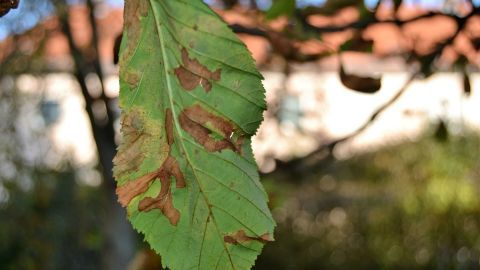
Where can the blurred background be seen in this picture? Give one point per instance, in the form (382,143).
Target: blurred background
(370,148)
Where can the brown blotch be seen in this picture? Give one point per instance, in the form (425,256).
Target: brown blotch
(129,156)
(134,10)
(169,168)
(132,78)
(194,121)
(240,237)
(134,188)
(143,8)
(192,73)
(164,200)
(198,114)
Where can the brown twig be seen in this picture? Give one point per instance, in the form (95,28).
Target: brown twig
(7,5)
(325,152)
(374,116)
(117,231)
(253,31)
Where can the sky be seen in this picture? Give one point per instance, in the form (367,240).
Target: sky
(30,12)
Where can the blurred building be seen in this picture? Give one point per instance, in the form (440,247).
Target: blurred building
(308,107)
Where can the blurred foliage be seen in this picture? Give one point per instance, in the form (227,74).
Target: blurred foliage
(54,225)
(411,206)
(48,218)
(280,7)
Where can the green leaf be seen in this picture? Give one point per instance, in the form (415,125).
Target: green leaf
(357,44)
(332,7)
(279,8)
(191,99)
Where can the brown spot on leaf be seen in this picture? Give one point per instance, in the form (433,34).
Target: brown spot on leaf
(129,155)
(134,10)
(200,115)
(143,8)
(240,237)
(132,78)
(134,188)
(199,123)
(132,129)
(192,73)
(164,200)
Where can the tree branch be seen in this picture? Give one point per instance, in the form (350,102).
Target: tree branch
(98,69)
(365,23)
(374,116)
(118,246)
(325,152)
(103,137)
(253,31)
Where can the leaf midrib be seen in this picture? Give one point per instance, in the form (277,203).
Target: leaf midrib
(176,123)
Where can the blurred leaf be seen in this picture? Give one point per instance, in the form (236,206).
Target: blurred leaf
(397,4)
(146,259)
(358,83)
(461,62)
(281,44)
(358,44)
(426,64)
(366,15)
(185,169)
(331,7)
(279,8)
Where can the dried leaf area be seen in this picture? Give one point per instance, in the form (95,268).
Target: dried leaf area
(195,121)
(169,168)
(164,199)
(241,237)
(132,12)
(130,156)
(192,73)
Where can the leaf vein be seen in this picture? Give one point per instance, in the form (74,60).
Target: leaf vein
(170,95)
